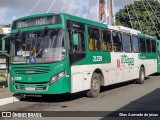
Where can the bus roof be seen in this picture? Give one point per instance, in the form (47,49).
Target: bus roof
(34,15)
(83,20)
(124,29)
(146,36)
(67,16)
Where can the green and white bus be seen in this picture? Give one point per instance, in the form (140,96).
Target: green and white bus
(60,53)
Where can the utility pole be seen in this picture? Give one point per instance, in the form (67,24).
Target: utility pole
(110,8)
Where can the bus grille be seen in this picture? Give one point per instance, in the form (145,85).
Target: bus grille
(31,70)
(37,87)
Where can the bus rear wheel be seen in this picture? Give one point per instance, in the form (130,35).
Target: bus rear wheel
(95,86)
(141,78)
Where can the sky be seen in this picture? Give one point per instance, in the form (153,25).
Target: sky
(13,9)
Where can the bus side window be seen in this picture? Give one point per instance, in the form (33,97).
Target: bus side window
(106,40)
(127,43)
(91,43)
(81,42)
(148,43)
(135,44)
(94,38)
(117,41)
(79,46)
(143,45)
(153,43)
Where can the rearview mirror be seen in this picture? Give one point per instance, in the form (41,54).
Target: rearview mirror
(3,46)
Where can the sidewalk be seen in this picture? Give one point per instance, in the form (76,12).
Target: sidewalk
(7,97)
(5,92)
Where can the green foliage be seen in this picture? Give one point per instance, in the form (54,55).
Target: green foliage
(122,17)
(2,77)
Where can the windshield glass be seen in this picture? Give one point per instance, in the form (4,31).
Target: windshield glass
(38,46)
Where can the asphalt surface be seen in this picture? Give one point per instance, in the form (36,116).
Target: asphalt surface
(121,97)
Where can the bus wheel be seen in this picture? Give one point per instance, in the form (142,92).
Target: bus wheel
(95,86)
(141,78)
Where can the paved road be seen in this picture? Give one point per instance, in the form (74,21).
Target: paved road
(121,97)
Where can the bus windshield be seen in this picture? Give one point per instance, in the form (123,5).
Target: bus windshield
(38,46)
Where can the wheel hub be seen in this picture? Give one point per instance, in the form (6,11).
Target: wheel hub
(95,85)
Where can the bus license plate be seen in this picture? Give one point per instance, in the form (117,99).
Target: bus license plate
(29,88)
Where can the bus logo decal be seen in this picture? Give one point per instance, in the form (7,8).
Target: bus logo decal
(126,60)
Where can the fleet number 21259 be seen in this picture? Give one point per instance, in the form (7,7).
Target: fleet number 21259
(97,58)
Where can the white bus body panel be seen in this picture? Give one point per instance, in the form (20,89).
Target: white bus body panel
(112,73)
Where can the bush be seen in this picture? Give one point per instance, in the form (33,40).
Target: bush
(2,77)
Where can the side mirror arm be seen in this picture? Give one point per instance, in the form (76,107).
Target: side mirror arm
(3,45)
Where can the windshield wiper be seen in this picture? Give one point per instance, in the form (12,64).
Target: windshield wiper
(44,32)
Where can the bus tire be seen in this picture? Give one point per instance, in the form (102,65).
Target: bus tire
(141,78)
(95,86)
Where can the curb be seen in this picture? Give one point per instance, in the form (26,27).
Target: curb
(8,100)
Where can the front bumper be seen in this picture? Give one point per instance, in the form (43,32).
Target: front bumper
(62,85)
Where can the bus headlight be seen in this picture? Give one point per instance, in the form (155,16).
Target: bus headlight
(12,79)
(57,77)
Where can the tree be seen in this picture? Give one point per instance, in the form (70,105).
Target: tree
(144,17)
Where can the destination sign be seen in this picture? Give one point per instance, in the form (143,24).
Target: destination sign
(37,21)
